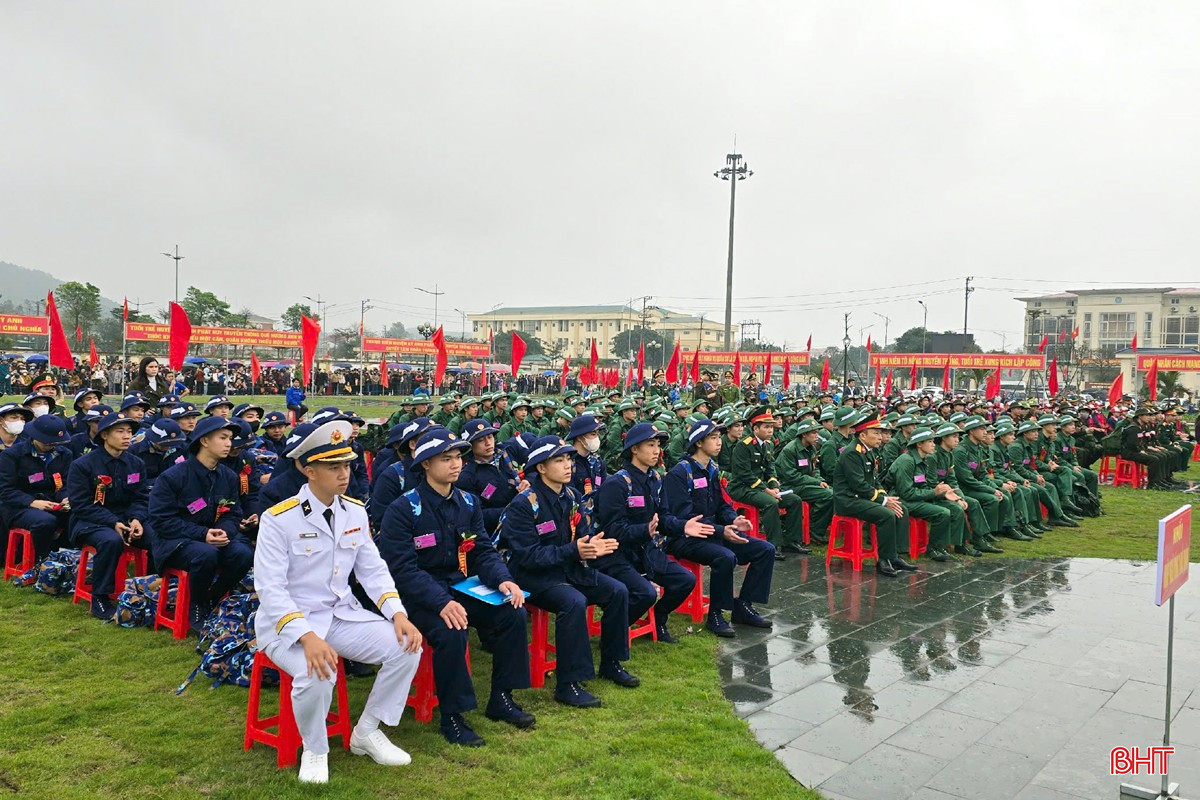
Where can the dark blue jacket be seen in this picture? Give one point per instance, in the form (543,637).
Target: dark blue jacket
(184,504)
(625,504)
(125,499)
(275,446)
(420,538)
(690,489)
(359,483)
(540,527)
(385,457)
(395,479)
(81,444)
(157,461)
(285,482)
(493,482)
(588,474)
(27,475)
(244,467)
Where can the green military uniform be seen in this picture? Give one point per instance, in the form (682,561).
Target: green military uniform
(831,448)
(614,440)
(1025,497)
(971,472)
(798,468)
(499,414)
(979,524)
(858,493)
(1169,437)
(444,413)
(468,409)
(516,424)
(1024,455)
(915,478)
(1068,456)
(751,473)
(1137,442)
(1059,474)
(905,425)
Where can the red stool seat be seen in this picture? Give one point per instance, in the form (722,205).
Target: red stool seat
(918,537)
(643,627)
(1130,473)
(130,556)
(542,654)
(286,740)
(846,541)
(176,621)
(697,601)
(18,538)
(422,698)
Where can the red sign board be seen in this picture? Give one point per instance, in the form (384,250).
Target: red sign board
(24,326)
(748,359)
(1174,553)
(1183,363)
(252,337)
(421,347)
(959,360)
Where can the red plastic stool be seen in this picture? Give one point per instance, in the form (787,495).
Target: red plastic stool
(23,539)
(423,698)
(846,541)
(750,513)
(697,601)
(134,556)
(643,627)
(177,623)
(804,505)
(1196,452)
(287,740)
(1108,467)
(1130,473)
(369,460)
(918,537)
(542,655)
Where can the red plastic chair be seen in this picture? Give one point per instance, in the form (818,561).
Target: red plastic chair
(423,697)
(1131,474)
(643,627)
(131,556)
(542,655)
(286,740)
(177,622)
(804,506)
(1196,452)
(1108,467)
(18,539)
(846,541)
(918,537)
(697,601)
(369,458)
(751,513)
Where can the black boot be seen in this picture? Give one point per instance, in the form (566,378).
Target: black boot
(574,695)
(744,614)
(619,675)
(457,731)
(719,625)
(502,708)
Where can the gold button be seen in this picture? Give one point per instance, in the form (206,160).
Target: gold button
(308,549)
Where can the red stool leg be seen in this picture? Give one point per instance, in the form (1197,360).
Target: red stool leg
(423,698)
(540,649)
(83,588)
(177,622)
(18,539)
(339,719)
(804,506)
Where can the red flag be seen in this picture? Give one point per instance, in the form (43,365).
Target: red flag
(641,361)
(1045,341)
(1152,380)
(868,343)
(1052,381)
(912,384)
(767,372)
(60,349)
(385,381)
(1075,333)
(887,386)
(562,381)
(125,311)
(787,373)
(1062,335)
(878,377)
(995,386)
(629,376)
(946,376)
(1117,389)
(79,333)
(673,366)
(825,375)
(310,331)
(808,347)
(737,368)
(518,353)
(1134,344)
(180,336)
(255,369)
(439,344)
(595,360)
(696,367)
(94,359)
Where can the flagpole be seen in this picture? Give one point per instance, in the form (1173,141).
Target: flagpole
(124,357)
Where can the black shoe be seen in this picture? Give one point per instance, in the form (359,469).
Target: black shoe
(779,556)
(574,695)
(102,607)
(719,625)
(197,614)
(938,555)
(619,675)
(357,669)
(1064,522)
(798,549)
(456,731)
(987,547)
(818,540)
(902,565)
(1015,535)
(502,708)
(1074,511)
(663,635)
(744,614)
(884,568)
(967,550)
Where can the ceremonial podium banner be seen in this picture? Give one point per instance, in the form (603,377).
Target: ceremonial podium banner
(959,360)
(27,326)
(754,359)
(150,332)
(421,347)
(1183,363)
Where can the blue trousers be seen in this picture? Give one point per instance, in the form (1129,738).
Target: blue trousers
(506,631)
(721,557)
(202,562)
(109,546)
(675,581)
(44,525)
(569,602)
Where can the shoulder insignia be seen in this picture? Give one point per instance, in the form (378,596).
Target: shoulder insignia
(354,500)
(281,507)
(468,498)
(748,440)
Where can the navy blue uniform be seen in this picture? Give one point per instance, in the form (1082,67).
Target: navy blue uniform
(81,444)
(691,489)
(26,475)
(276,446)
(158,461)
(359,483)
(285,482)
(541,528)
(420,540)
(588,473)
(249,483)
(625,504)
(124,499)
(494,483)
(392,481)
(186,501)
(385,457)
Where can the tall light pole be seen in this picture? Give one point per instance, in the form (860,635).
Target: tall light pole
(735,170)
(886,321)
(436,294)
(846,355)
(464,323)
(177,258)
(320,313)
(924,325)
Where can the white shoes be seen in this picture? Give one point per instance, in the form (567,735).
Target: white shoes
(379,748)
(314,767)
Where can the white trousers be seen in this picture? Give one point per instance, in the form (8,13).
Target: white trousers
(372,642)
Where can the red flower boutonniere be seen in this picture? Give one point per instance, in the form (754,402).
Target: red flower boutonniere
(465,546)
(102,484)
(223,507)
(244,479)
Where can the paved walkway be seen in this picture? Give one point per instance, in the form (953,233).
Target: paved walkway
(998,678)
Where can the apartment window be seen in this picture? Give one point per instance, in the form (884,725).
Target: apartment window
(1149,329)
(1180,331)
(1116,331)
(528,326)
(1174,301)
(1037,304)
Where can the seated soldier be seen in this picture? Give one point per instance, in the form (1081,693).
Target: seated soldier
(799,468)
(432,537)
(33,477)
(274,428)
(1024,455)
(162,447)
(308,546)
(199,521)
(396,475)
(553,546)
(983,510)
(489,474)
(693,487)
(914,476)
(752,481)
(589,472)
(109,505)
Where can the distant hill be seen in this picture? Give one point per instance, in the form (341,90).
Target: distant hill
(22,290)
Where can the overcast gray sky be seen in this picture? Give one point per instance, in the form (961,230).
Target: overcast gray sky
(562,153)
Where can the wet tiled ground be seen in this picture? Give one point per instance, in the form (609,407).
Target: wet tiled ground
(994,678)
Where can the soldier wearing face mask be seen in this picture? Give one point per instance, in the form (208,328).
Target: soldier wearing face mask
(589,471)
(12,423)
(39,404)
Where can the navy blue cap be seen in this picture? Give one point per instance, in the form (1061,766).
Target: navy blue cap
(29,398)
(583,425)
(328,414)
(478,428)
(217,400)
(168,400)
(184,410)
(49,429)
(642,432)
(109,420)
(13,408)
(94,413)
(546,448)
(434,442)
(701,429)
(135,399)
(82,393)
(402,433)
(165,431)
(244,435)
(210,425)
(238,410)
(273,418)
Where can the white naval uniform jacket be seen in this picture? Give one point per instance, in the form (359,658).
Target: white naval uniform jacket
(302,569)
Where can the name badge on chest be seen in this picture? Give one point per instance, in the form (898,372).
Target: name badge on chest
(802,462)
(636,501)
(488,491)
(546,527)
(198,504)
(424,540)
(701,483)
(134,477)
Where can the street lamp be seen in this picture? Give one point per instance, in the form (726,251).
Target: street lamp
(735,170)
(845,364)
(464,323)
(886,321)
(177,258)
(436,294)
(426,330)
(924,325)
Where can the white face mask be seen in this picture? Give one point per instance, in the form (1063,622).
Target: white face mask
(14,426)
(40,410)
(591,444)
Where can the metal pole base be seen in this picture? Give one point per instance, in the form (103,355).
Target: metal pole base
(1131,792)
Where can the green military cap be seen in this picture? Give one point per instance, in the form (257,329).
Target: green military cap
(521,401)
(692,419)
(921,435)
(447,399)
(572,399)
(566,412)
(680,405)
(467,402)
(1066,420)
(807,426)
(843,416)
(699,401)
(808,412)
(637,396)
(826,414)
(627,405)
(1026,427)
(946,429)
(1144,411)
(666,417)
(905,419)
(606,403)
(974,422)
(892,416)
(540,403)
(957,417)
(614,393)
(1047,419)
(1004,429)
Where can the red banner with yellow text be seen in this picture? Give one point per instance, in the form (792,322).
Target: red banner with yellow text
(959,360)
(1181,363)
(24,326)
(247,337)
(750,359)
(421,347)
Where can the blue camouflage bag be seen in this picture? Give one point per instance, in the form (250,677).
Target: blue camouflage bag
(228,643)
(56,575)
